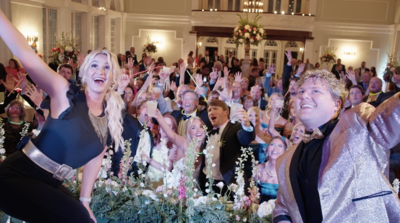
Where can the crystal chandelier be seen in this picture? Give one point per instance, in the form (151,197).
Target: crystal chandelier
(253,6)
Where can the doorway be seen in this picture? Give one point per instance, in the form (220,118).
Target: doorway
(211,50)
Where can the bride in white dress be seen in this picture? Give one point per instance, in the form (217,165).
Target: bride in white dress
(194,129)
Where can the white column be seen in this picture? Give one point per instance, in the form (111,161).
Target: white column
(5,53)
(192,43)
(308,49)
(87,33)
(119,37)
(105,32)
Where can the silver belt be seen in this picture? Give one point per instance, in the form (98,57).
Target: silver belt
(60,172)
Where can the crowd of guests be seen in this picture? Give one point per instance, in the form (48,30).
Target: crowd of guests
(256,111)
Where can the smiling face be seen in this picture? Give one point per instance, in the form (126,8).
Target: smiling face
(248,104)
(254,118)
(298,131)
(293,87)
(275,149)
(245,84)
(256,93)
(189,102)
(99,77)
(14,111)
(128,94)
(314,104)
(292,110)
(237,90)
(142,113)
(355,96)
(196,130)
(217,116)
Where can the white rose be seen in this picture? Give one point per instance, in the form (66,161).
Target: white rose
(258,36)
(69,49)
(261,30)
(220,185)
(150,194)
(251,40)
(254,32)
(246,35)
(264,209)
(141,184)
(236,28)
(240,40)
(247,27)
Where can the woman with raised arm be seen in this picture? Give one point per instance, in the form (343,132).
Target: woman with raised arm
(74,135)
(194,129)
(279,121)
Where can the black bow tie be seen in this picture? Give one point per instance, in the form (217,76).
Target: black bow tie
(214,131)
(186,117)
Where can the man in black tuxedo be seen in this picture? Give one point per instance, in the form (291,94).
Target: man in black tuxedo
(339,62)
(132,129)
(227,139)
(209,61)
(235,66)
(363,69)
(132,51)
(216,56)
(256,93)
(230,60)
(190,101)
(376,96)
(365,80)
(338,71)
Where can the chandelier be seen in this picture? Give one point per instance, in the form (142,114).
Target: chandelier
(253,6)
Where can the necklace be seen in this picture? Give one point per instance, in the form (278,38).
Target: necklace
(15,123)
(268,171)
(266,114)
(100,126)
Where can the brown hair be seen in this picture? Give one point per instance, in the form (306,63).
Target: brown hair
(218,103)
(66,66)
(17,65)
(358,87)
(21,105)
(174,128)
(255,103)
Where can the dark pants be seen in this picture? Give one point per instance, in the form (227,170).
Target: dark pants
(29,193)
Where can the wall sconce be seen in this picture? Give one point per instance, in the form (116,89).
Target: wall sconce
(301,50)
(199,44)
(32,38)
(283,12)
(102,8)
(349,53)
(211,10)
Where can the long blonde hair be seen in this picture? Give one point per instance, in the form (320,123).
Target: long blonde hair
(114,103)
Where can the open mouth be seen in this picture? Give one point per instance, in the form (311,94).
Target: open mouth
(213,119)
(307,106)
(99,80)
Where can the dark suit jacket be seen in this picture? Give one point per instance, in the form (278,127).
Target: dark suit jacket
(381,98)
(210,61)
(233,137)
(286,78)
(263,104)
(132,129)
(334,68)
(3,75)
(203,115)
(336,73)
(366,69)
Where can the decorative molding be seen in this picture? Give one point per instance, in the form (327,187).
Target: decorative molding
(268,21)
(360,2)
(175,19)
(155,11)
(36,4)
(354,27)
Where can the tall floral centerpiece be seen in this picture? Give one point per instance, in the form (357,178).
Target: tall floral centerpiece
(150,47)
(248,32)
(66,48)
(329,55)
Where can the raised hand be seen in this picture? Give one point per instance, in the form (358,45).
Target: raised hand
(271,69)
(300,70)
(238,77)
(199,80)
(288,54)
(9,83)
(173,86)
(219,82)
(24,82)
(81,59)
(130,63)
(35,95)
(241,114)
(214,74)
(351,75)
(226,71)
(123,82)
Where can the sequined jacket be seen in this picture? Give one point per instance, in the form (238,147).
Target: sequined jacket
(351,185)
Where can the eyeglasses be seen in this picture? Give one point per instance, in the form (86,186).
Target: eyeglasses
(14,109)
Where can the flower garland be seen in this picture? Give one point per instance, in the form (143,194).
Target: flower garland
(25,129)
(2,138)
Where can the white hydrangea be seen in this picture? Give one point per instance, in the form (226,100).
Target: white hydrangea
(69,49)
(150,194)
(266,208)
(203,200)
(247,26)
(246,35)
(261,30)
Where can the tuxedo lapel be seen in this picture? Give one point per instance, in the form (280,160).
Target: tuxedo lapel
(293,180)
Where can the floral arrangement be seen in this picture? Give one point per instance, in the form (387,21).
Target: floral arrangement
(392,67)
(65,48)
(248,32)
(150,47)
(329,55)
(123,198)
